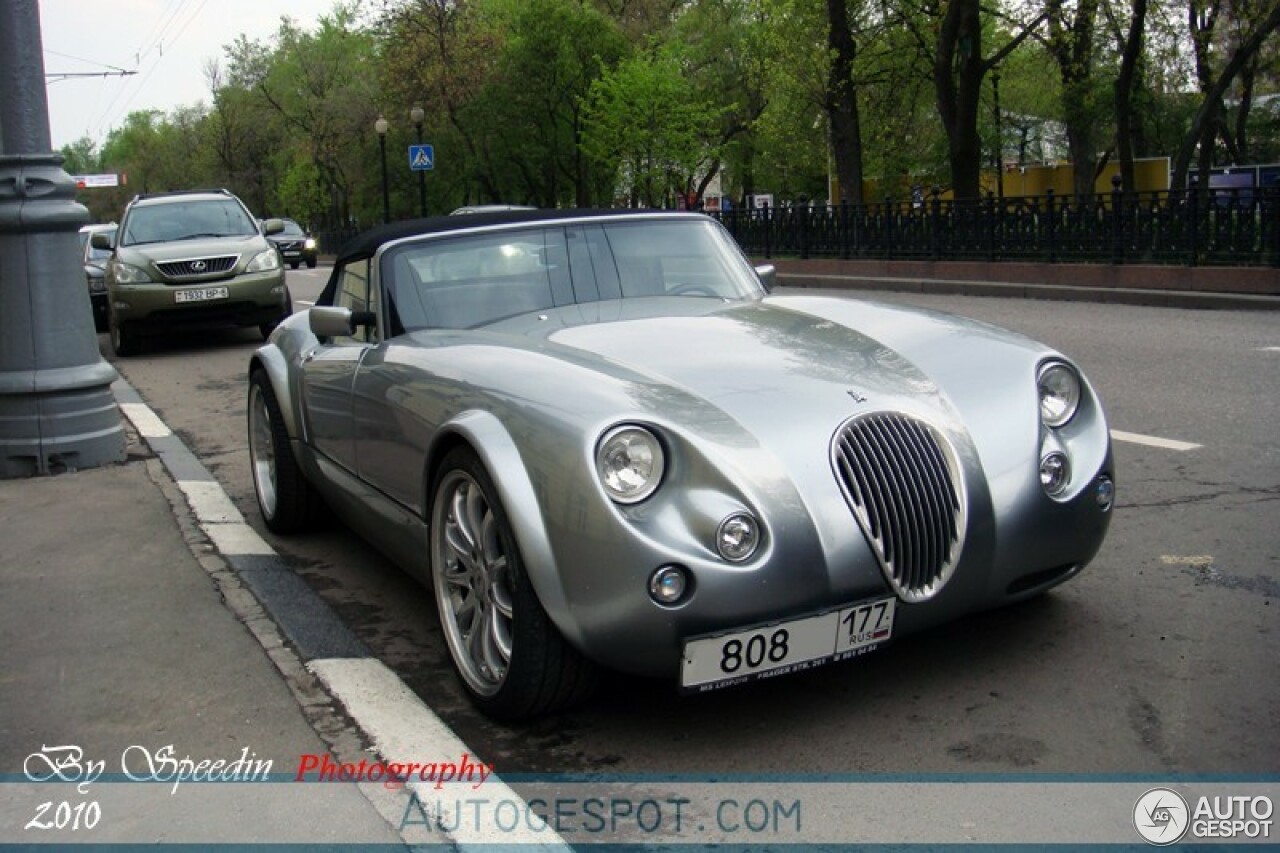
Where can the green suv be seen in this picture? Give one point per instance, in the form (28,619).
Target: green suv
(191,258)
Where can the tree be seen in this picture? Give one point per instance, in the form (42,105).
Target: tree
(958,70)
(1071,44)
(1131,54)
(842,102)
(1204,127)
(645,116)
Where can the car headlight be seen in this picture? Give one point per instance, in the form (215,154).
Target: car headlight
(311,243)
(629,462)
(264,262)
(128,273)
(1059,387)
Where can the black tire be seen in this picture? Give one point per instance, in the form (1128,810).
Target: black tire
(293,265)
(286,500)
(311,263)
(124,340)
(543,673)
(265,329)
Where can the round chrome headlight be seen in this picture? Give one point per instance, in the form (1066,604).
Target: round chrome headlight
(737,537)
(1059,387)
(630,463)
(1055,472)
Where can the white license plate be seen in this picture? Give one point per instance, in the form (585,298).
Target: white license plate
(200,294)
(798,644)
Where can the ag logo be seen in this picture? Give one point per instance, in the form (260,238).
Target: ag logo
(1161,816)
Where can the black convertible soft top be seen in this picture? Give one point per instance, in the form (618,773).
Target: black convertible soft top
(366,243)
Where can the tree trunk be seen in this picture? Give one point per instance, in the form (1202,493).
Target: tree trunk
(1124,94)
(842,104)
(957,78)
(1072,49)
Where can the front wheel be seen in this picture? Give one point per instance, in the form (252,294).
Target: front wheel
(511,658)
(124,340)
(287,501)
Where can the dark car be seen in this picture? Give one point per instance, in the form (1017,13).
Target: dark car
(95,262)
(296,245)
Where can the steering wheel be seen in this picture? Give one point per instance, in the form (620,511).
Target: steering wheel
(696,289)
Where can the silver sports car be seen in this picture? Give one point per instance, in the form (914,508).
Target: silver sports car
(602,439)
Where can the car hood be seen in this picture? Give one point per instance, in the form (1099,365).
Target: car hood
(787,362)
(203,247)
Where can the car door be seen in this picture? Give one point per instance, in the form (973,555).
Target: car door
(329,371)
(405,390)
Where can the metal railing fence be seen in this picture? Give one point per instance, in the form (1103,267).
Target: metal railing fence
(1235,227)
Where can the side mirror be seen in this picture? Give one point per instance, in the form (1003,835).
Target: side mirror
(327,321)
(101,240)
(768,275)
(272,226)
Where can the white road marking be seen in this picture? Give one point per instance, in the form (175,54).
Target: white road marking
(302,302)
(237,540)
(145,421)
(1153,441)
(209,502)
(1268,349)
(403,730)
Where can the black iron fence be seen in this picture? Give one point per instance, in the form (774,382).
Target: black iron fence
(1236,227)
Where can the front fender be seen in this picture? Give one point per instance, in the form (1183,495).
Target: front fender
(497,450)
(272,361)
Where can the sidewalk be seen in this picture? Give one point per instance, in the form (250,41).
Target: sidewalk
(117,639)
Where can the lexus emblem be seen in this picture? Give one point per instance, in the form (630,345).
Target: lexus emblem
(198,266)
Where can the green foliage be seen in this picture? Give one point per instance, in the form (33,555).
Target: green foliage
(583,102)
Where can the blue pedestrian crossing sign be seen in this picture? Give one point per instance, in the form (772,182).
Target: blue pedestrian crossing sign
(421,158)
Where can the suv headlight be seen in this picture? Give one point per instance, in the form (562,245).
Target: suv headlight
(264,262)
(1059,387)
(128,273)
(311,243)
(629,462)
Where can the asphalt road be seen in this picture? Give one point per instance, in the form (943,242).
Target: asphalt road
(1160,658)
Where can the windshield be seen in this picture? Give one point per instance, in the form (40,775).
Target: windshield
(185,220)
(468,281)
(293,229)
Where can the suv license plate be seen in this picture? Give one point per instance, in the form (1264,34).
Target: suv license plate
(734,658)
(200,294)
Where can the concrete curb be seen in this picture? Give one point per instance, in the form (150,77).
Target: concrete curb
(323,663)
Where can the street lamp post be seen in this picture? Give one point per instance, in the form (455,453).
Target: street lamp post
(416,115)
(381,126)
(995,96)
(57,411)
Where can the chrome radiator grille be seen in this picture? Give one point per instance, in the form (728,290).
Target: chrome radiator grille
(902,484)
(196,267)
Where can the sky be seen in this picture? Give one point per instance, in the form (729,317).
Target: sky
(167,42)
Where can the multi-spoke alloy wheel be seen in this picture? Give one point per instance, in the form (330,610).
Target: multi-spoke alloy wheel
(513,661)
(286,499)
(262,455)
(473,583)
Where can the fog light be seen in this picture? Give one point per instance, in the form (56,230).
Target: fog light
(737,537)
(668,584)
(1104,493)
(1055,472)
